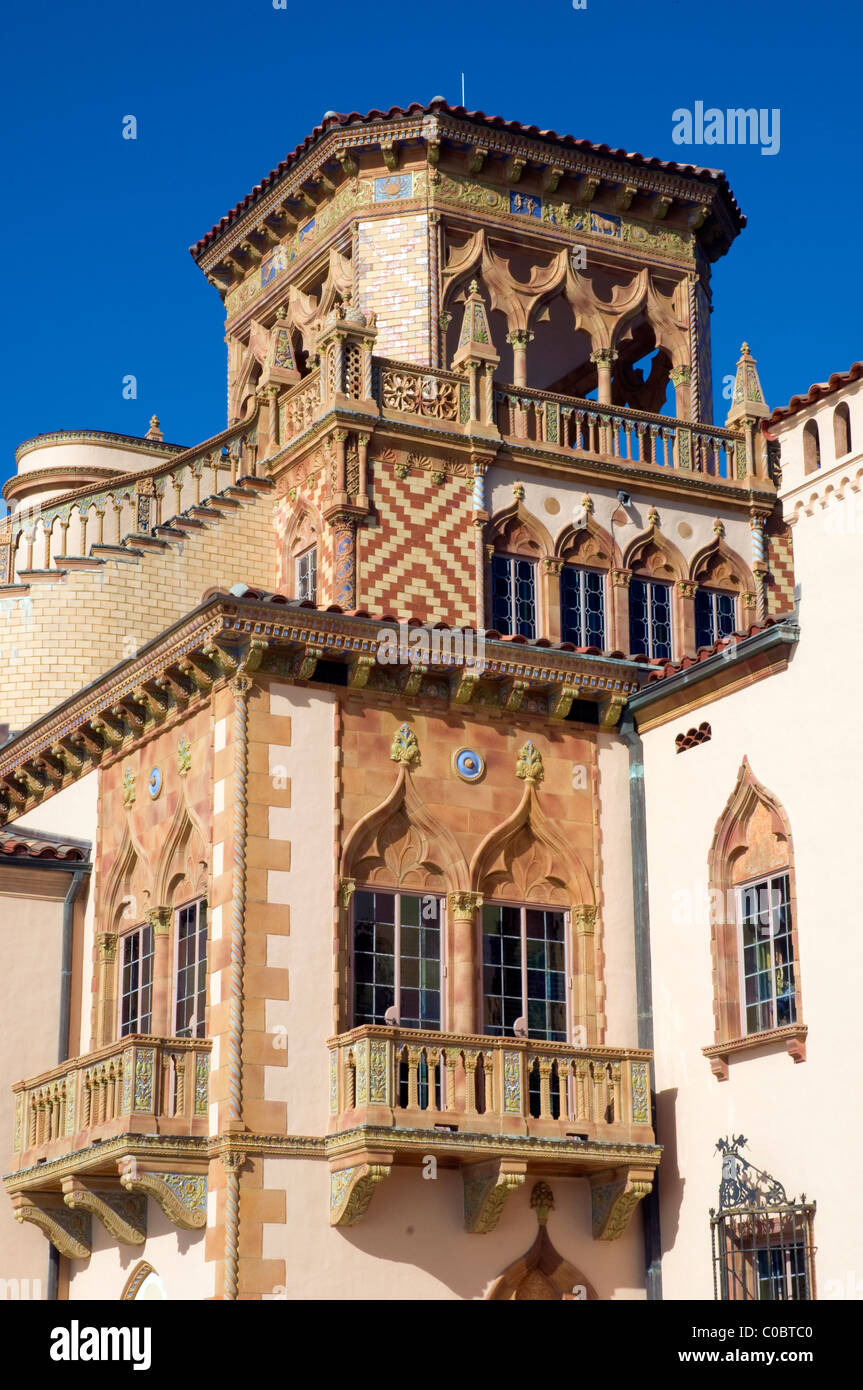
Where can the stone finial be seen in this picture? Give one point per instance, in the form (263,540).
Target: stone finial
(529,766)
(474,343)
(587,503)
(518,491)
(542,1201)
(653,517)
(128,788)
(405,749)
(747,399)
(155,430)
(718,526)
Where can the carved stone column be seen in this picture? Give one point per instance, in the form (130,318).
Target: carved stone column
(759,563)
(463,908)
(518,341)
(344,525)
(584,974)
(603,359)
(619,636)
(106,999)
(160,920)
(686,614)
(681,379)
(553,568)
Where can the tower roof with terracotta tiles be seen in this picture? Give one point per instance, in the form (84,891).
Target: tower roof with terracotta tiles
(714,181)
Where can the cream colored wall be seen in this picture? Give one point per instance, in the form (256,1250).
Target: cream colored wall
(176,1256)
(307,890)
(803,1121)
(85,457)
(411,1244)
(696,520)
(31,936)
(790,435)
(618,941)
(74,812)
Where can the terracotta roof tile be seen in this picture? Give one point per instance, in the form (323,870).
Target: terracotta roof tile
(815,393)
(38,844)
(715,176)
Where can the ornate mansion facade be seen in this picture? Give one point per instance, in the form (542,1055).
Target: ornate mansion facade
(416,852)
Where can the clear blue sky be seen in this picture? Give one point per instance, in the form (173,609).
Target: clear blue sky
(98,280)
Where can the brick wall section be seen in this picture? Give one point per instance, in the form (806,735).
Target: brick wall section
(780,558)
(416,555)
(65,634)
(393,272)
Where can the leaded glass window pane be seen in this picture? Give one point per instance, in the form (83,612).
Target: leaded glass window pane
(524,971)
(650,618)
(768,955)
(397,956)
(191,998)
(307,575)
(513,595)
(715,616)
(136,983)
(582,601)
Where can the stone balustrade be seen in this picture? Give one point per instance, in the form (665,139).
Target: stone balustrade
(138,1085)
(408,1079)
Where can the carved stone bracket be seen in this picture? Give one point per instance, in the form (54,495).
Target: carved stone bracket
(486,1189)
(70,1232)
(351,1189)
(182,1196)
(614,1196)
(123,1214)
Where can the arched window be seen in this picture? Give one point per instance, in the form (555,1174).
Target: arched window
(756,963)
(519,542)
(301,556)
(722,579)
(190,1012)
(842,430)
(811,447)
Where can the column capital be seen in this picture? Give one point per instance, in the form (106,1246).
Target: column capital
(463,906)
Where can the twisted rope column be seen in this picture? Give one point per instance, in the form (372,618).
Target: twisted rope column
(233,1162)
(240,686)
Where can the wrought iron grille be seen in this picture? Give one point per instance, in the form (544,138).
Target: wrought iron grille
(762,1240)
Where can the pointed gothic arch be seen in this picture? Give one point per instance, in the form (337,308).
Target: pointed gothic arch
(588,543)
(526,859)
(717,566)
(302,533)
(401,844)
(181,870)
(130,869)
(751,842)
(655,556)
(517,531)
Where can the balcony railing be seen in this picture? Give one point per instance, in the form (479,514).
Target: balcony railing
(138,1085)
(71,525)
(408,1079)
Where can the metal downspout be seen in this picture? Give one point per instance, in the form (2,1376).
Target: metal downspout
(643,981)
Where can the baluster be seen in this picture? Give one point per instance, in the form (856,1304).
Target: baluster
(86,1101)
(470,1060)
(414,1054)
(32,1119)
(350,1082)
(451,1062)
(545,1066)
(616,1094)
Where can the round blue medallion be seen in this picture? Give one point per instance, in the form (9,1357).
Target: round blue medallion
(468,764)
(154,782)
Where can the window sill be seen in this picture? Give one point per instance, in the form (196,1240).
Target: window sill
(720,1055)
